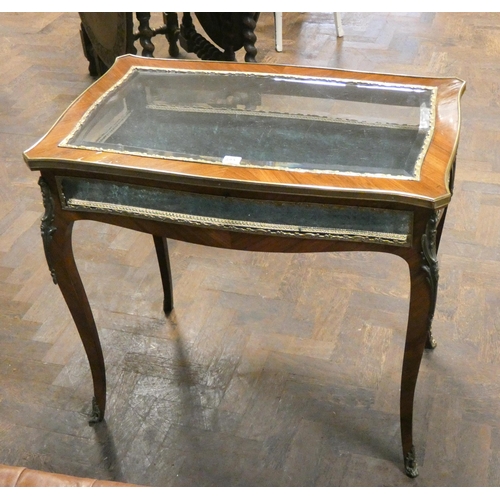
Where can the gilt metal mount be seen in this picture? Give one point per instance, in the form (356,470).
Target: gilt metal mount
(431,268)
(47,227)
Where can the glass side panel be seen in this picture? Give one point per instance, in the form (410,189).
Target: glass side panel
(254,120)
(287,219)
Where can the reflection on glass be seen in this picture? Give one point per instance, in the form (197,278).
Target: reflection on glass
(254,120)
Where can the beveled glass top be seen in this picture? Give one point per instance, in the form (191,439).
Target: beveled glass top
(283,122)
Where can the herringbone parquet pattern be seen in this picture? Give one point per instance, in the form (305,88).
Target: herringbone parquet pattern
(272,369)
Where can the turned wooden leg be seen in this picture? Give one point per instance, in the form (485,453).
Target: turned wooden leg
(249,37)
(56,228)
(145,34)
(165,272)
(424,279)
(171,21)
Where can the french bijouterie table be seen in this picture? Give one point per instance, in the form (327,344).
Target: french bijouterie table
(255,157)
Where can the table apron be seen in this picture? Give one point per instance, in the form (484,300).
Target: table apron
(305,220)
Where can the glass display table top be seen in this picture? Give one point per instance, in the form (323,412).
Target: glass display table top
(315,128)
(284,122)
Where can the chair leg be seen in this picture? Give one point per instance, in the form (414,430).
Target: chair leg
(338,24)
(278,31)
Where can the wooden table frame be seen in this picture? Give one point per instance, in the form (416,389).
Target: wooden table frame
(425,200)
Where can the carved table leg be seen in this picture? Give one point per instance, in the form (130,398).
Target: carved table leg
(56,228)
(165,272)
(423,274)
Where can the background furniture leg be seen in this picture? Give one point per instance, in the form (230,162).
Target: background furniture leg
(145,33)
(278,28)
(338,24)
(278,31)
(171,20)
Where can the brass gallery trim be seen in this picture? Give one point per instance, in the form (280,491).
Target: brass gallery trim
(267,167)
(238,225)
(418,164)
(278,114)
(281,75)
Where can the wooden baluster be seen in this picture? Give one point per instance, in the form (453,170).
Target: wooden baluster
(250,38)
(172,35)
(145,34)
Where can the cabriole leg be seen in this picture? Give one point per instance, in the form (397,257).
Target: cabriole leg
(161,247)
(56,228)
(424,278)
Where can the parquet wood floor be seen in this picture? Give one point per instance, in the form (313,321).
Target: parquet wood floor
(277,370)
